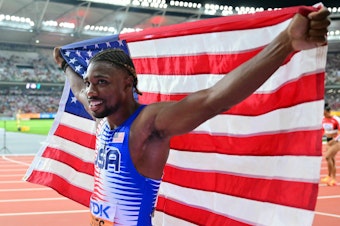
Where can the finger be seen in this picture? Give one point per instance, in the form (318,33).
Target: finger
(317,32)
(319,24)
(319,40)
(319,15)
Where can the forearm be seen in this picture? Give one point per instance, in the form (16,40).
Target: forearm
(247,78)
(76,83)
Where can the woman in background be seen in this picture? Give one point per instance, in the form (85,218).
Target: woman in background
(331,128)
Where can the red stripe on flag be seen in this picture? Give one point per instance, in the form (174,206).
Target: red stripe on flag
(70,160)
(235,22)
(61,185)
(82,138)
(292,193)
(303,90)
(196,64)
(193,214)
(283,143)
(193,64)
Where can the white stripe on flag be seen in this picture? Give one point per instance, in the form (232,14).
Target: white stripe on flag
(306,116)
(79,123)
(206,43)
(161,219)
(72,148)
(66,172)
(256,213)
(265,167)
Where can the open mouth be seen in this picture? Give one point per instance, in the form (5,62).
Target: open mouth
(94,105)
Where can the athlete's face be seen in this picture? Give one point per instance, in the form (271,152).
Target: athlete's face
(107,87)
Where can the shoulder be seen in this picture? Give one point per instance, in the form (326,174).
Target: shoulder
(336,118)
(145,122)
(153,110)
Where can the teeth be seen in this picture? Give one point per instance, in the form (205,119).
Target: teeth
(94,103)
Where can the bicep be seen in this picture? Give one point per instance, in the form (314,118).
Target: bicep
(76,82)
(175,118)
(78,87)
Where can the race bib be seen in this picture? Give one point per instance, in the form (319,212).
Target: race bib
(102,213)
(328,126)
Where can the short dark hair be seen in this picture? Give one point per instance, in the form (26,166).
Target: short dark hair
(119,58)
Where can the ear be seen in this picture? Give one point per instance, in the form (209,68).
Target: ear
(128,81)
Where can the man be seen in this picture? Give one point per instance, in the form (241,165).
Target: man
(133,140)
(331,129)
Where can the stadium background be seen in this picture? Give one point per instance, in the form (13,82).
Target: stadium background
(30,82)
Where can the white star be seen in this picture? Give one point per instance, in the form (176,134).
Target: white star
(78,53)
(89,53)
(78,68)
(120,42)
(73,60)
(87,61)
(83,75)
(73,100)
(67,53)
(108,44)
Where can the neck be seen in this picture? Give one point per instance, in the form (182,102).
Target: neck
(120,116)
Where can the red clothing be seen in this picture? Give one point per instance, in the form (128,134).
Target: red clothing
(330,125)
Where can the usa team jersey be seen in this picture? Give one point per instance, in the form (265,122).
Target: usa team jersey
(121,195)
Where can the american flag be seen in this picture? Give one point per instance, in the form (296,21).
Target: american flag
(255,164)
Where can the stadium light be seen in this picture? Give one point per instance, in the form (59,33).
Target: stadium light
(333,35)
(27,24)
(54,26)
(111,2)
(183,4)
(16,22)
(141,3)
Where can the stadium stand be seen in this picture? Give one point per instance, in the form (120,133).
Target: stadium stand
(19,69)
(29,82)
(332,81)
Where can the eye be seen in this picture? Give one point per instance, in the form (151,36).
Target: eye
(87,84)
(102,82)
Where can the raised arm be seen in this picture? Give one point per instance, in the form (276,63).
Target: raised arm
(76,82)
(302,33)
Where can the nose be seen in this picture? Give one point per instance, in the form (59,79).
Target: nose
(91,91)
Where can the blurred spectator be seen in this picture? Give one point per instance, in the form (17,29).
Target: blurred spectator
(25,66)
(333,69)
(29,67)
(38,66)
(28,101)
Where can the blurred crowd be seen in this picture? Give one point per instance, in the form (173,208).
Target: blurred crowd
(14,99)
(19,67)
(29,68)
(332,81)
(333,69)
